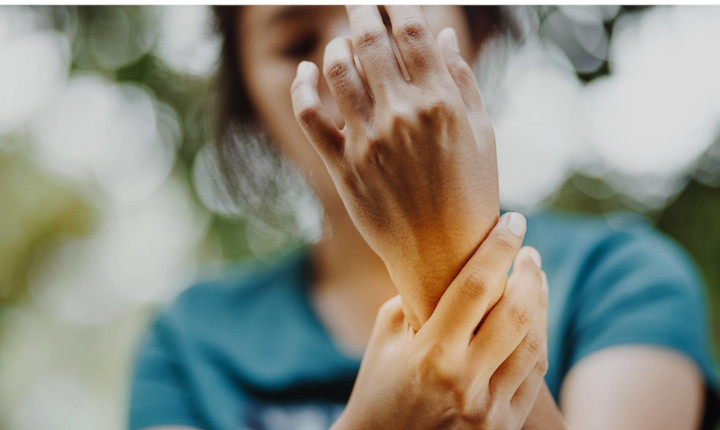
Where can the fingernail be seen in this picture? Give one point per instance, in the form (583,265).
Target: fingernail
(516,223)
(545,282)
(535,257)
(454,41)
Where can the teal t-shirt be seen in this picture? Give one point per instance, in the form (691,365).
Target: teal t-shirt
(249,352)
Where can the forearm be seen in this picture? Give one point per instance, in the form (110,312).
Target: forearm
(430,266)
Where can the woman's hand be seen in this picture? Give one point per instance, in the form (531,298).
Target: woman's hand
(444,375)
(415,162)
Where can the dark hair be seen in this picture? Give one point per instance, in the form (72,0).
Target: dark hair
(237,156)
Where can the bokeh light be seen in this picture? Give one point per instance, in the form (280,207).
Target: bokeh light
(108,132)
(540,131)
(35,64)
(186,41)
(112,203)
(660,108)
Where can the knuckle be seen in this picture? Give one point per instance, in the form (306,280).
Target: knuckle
(473,414)
(402,129)
(543,364)
(376,145)
(390,308)
(337,70)
(306,114)
(475,284)
(369,37)
(462,71)
(445,376)
(520,314)
(435,369)
(529,272)
(534,345)
(385,311)
(434,110)
(504,243)
(352,181)
(400,118)
(411,30)
(389,316)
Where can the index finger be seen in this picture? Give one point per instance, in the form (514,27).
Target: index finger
(480,283)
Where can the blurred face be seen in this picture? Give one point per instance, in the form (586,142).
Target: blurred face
(272,40)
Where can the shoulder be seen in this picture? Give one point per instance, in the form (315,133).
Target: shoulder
(616,264)
(617,280)
(620,281)
(613,245)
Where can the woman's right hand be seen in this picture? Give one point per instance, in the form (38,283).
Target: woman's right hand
(474,364)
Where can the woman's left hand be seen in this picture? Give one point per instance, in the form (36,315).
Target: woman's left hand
(415,162)
(452,374)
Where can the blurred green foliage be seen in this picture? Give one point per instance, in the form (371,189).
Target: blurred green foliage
(693,218)
(37,208)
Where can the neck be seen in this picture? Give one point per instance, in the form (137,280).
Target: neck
(343,258)
(351,282)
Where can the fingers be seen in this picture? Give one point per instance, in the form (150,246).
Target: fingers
(374,48)
(415,41)
(528,395)
(480,282)
(511,318)
(345,82)
(460,70)
(530,356)
(312,116)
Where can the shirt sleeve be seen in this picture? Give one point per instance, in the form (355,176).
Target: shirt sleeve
(641,288)
(160,394)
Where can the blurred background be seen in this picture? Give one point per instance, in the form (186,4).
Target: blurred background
(108,198)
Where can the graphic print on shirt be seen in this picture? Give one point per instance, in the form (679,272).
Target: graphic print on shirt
(303,416)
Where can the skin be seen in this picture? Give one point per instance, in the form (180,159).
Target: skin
(354,281)
(415,162)
(444,375)
(451,246)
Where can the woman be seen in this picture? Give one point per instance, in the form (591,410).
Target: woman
(404,165)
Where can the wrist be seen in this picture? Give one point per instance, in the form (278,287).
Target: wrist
(417,302)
